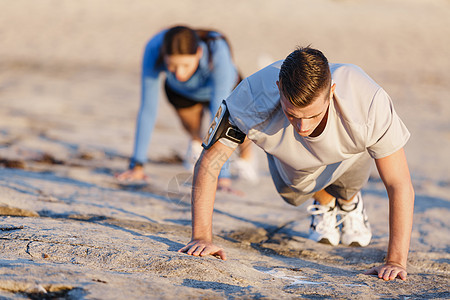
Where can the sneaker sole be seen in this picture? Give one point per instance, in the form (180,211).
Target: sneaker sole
(326,241)
(356,244)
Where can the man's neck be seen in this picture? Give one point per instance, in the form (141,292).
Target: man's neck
(321,127)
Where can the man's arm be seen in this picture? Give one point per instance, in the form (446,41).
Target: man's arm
(394,172)
(206,172)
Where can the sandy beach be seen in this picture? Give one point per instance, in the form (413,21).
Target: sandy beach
(69,95)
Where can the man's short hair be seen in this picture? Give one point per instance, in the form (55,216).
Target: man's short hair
(304,75)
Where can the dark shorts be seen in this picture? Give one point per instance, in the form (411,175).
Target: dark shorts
(179,101)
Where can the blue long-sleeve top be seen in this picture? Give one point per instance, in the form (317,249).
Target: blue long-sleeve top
(207,84)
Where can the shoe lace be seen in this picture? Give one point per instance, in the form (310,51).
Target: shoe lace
(327,214)
(351,218)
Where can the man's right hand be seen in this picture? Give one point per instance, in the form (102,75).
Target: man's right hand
(135,174)
(203,248)
(204,183)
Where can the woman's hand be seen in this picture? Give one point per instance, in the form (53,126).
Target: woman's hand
(135,174)
(224,185)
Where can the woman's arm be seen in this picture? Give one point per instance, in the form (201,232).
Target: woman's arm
(147,113)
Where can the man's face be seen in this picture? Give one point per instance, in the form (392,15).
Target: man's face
(309,120)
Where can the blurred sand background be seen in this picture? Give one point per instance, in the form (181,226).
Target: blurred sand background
(69,94)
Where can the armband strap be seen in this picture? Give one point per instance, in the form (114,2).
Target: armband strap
(222,128)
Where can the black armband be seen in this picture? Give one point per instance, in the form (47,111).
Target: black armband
(222,128)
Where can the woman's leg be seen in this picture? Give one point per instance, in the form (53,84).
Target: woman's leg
(245,150)
(190,113)
(191,119)
(246,165)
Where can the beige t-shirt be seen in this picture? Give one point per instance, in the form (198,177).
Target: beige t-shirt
(361,118)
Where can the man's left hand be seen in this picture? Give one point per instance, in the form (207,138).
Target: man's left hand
(388,272)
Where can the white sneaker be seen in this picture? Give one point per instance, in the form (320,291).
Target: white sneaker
(246,170)
(324,226)
(355,224)
(193,152)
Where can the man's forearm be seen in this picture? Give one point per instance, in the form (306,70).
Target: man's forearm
(206,172)
(401,207)
(203,195)
(394,172)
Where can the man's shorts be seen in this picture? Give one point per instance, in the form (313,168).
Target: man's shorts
(179,101)
(345,187)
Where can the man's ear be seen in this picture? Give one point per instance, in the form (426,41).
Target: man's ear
(333,88)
